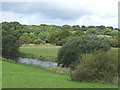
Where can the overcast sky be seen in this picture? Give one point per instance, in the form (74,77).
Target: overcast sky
(59,12)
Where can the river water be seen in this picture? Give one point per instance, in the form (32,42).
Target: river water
(37,62)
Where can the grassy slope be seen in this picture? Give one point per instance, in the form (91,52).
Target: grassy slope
(23,76)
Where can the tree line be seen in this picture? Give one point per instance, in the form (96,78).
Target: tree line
(14,34)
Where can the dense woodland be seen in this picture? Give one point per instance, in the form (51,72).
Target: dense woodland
(54,34)
(14,34)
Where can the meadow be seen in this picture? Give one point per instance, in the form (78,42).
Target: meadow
(48,51)
(30,76)
(18,75)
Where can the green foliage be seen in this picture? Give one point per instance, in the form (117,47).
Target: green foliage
(78,33)
(39,41)
(72,51)
(43,36)
(76,27)
(107,31)
(63,33)
(10,36)
(92,31)
(32,36)
(113,42)
(100,28)
(115,34)
(59,37)
(119,42)
(66,27)
(100,65)
(25,39)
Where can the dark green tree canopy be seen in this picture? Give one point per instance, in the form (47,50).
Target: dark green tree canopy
(71,51)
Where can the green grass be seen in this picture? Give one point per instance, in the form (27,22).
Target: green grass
(28,76)
(31,76)
(49,52)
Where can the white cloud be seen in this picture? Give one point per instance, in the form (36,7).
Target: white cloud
(82,12)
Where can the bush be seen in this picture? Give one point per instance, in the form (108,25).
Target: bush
(25,39)
(113,42)
(74,48)
(39,41)
(99,65)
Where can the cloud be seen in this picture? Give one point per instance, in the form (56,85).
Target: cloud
(49,9)
(82,12)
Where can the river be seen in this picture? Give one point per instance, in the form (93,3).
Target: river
(37,62)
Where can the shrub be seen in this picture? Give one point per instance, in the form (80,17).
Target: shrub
(74,48)
(39,41)
(113,42)
(25,39)
(99,65)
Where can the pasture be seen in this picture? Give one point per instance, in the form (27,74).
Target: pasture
(28,76)
(34,76)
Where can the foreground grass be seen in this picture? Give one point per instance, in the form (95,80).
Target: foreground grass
(25,76)
(49,52)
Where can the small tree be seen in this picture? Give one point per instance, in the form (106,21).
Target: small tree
(78,33)
(25,39)
(107,31)
(92,31)
(38,41)
(59,37)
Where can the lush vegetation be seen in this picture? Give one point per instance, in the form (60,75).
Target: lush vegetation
(79,44)
(97,66)
(10,36)
(54,34)
(30,76)
(72,51)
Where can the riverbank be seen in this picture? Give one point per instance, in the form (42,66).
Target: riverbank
(30,76)
(41,52)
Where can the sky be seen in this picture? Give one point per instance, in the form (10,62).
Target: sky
(61,12)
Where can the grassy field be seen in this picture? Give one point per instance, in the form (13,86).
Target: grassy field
(25,76)
(31,76)
(48,51)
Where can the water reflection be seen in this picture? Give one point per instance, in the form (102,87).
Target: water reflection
(37,62)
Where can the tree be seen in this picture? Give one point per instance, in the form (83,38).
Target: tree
(32,36)
(71,52)
(114,34)
(83,27)
(59,37)
(107,31)
(92,31)
(100,28)
(76,27)
(78,33)
(10,37)
(66,27)
(38,41)
(91,26)
(25,39)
